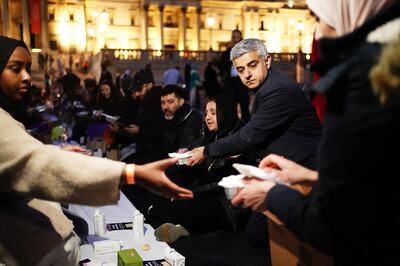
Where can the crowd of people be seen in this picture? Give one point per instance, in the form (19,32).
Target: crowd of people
(343,161)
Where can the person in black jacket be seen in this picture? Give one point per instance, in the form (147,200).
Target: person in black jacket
(182,122)
(231,80)
(128,108)
(352,212)
(283,119)
(211,83)
(149,129)
(283,122)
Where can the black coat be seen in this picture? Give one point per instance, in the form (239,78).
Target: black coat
(149,146)
(283,122)
(353,211)
(183,129)
(225,64)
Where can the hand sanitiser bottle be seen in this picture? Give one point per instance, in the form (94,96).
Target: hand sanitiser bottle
(99,223)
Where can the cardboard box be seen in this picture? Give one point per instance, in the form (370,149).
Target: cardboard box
(129,257)
(287,250)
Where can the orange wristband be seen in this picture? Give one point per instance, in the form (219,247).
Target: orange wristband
(130,174)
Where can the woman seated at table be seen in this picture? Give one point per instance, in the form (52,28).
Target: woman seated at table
(209,210)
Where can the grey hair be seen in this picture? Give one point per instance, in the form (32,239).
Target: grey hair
(248,45)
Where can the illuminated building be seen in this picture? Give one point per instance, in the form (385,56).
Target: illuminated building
(81,26)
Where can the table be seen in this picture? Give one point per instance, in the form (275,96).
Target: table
(122,212)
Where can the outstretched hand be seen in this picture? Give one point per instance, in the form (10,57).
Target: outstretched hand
(73,148)
(287,170)
(197,156)
(254,194)
(152,177)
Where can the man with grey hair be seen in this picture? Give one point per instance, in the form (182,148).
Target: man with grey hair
(283,120)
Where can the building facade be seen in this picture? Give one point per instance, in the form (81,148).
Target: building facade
(77,26)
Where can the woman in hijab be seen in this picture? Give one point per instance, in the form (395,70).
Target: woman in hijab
(34,231)
(209,210)
(108,98)
(352,212)
(221,120)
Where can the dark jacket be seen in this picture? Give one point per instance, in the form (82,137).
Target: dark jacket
(128,108)
(283,122)
(211,83)
(151,122)
(109,106)
(183,129)
(224,65)
(353,211)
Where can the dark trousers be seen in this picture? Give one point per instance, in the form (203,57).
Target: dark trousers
(257,230)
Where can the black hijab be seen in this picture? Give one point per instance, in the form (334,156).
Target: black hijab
(7,47)
(227,118)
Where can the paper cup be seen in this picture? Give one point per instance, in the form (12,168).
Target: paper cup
(232,184)
(183,158)
(230,192)
(182,161)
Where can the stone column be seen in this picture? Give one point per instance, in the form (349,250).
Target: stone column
(182,35)
(44,25)
(25,24)
(197,27)
(161,29)
(247,21)
(5,15)
(145,27)
(256,23)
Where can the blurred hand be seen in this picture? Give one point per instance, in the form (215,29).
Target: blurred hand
(183,150)
(72,148)
(113,127)
(287,170)
(253,196)
(152,177)
(133,129)
(197,156)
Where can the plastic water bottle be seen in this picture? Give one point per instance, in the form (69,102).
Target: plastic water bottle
(99,223)
(137,227)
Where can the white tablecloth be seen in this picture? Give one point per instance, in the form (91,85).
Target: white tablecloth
(123,212)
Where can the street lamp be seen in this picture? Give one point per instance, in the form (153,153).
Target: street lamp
(210,22)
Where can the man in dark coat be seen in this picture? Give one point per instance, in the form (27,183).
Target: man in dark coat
(149,130)
(182,123)
(283,119)
(283,122)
